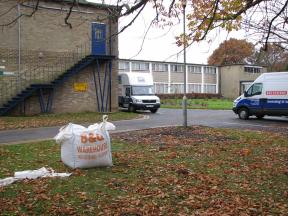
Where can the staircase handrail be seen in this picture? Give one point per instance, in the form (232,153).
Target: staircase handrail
(42,74)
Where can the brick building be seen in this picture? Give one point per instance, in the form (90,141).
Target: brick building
(48,66)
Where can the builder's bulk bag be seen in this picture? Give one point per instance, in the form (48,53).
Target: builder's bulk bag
(83,147)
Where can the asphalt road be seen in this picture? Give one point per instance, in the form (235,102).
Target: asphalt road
(164,117)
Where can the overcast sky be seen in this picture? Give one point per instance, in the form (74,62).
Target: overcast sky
(159,44)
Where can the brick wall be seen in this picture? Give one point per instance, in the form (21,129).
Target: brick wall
(46,42)
(67,99)
(47,31)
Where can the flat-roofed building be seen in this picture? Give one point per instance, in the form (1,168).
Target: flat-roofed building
(235,79)
(168,76)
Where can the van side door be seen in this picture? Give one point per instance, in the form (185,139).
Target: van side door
(277,99)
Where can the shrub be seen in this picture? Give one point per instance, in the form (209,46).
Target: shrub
(189,96)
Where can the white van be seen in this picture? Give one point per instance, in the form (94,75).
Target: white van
(268,95)
(136,92)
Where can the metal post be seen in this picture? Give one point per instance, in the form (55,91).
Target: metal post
(19,37)
(184,3)
(19,45)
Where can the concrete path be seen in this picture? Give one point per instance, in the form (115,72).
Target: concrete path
(164,117)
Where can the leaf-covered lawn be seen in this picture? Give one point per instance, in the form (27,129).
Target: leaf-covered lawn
(164,171)
(47,120)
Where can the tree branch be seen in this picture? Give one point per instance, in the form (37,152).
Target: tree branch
(271,22)
(69,13)
(211,20)
(8,11)
(135,7)
(132,21)
(27,15)
(250,4)
(171,6)
(143,40)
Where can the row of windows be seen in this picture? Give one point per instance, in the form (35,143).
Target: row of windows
(124,66)
(250,69)
(140,66)
(194,69)
(158,67)
(176,68)
(136,66)
(210,70)
(162,88)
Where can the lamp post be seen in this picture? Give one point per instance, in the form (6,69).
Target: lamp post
(184,102)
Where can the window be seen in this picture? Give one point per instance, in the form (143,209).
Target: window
(99,34)
(209,70)
(143,90)
(194,69)
(128,91)
(255,89)
(194,88)
(177,68)
(159,67)
(140,66)
(208,88)
(244,86)
(177,88)
(251,69)
(161,88)
(124,66)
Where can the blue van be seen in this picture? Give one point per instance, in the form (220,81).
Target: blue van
(268,95)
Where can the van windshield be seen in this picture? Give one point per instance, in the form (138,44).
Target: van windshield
(142,90)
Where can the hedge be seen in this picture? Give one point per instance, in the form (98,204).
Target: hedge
(189,96)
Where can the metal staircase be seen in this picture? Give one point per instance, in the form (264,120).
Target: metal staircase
(45,79)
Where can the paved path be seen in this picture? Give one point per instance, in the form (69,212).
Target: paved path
(164,117)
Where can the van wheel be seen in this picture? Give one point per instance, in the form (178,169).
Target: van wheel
(259,116)
(131,108)
(153,110)
(243,113)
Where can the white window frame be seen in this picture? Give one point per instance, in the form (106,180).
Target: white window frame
(140,66)
(159,67)
(179,68)
(192,69)
(124,63)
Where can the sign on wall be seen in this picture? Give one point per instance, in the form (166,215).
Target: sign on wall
(80,87)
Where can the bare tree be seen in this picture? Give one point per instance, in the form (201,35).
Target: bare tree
(275,58)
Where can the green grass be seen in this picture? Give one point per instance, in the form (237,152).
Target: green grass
(202,170)
(47,120)
(215,104)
